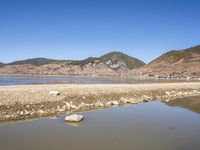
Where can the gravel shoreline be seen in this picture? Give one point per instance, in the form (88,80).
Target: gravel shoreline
(22,102)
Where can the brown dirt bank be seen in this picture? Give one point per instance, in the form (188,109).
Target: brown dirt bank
(31,101)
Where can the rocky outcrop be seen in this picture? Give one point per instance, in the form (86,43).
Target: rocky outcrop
(117,60)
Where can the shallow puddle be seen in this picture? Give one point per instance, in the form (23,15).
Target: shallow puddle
(146,126)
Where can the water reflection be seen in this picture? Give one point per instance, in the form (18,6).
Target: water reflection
(37,79)
(190,103)
(146,126)
(28,79)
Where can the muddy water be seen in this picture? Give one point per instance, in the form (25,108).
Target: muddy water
(146,126)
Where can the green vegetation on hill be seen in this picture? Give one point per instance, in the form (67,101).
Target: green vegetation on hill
(85,61)
(176,55)
(35,61)
(131,62)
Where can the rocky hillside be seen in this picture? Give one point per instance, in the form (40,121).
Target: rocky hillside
(181,62)
(116,60)
(1,64)
(112,64)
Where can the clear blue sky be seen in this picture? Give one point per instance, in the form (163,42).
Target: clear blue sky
(76,29)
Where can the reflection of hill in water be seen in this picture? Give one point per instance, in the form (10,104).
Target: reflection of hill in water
(190,103)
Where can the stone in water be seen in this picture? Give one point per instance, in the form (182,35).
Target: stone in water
(74,118)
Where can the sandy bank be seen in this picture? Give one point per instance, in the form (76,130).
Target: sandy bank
(31,101)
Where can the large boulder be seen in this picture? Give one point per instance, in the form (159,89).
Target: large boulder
(74,118)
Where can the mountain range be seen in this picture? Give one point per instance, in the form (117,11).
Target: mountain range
(176,62)
(111,64)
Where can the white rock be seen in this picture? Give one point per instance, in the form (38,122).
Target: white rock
(68,105)
(109,103)
(146,97)
(54,93)
(41,112)
(99,104)
(74,118)
(190,93)
(127,101)
(61,109)
(73,106)
(195,91)
(21,113)
(27,112)
(81,105)
(7,116)
(188,78)
(180,93)
(87,105)
(168,93)
(167,100)
(115,102)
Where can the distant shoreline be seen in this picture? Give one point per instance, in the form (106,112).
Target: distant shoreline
(126,80)
(34,101)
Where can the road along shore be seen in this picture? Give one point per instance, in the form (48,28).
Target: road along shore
(34,101)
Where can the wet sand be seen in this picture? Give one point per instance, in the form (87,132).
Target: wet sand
(32,101)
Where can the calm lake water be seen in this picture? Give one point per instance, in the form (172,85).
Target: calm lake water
(21,79)
(146,126)
(28,79)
